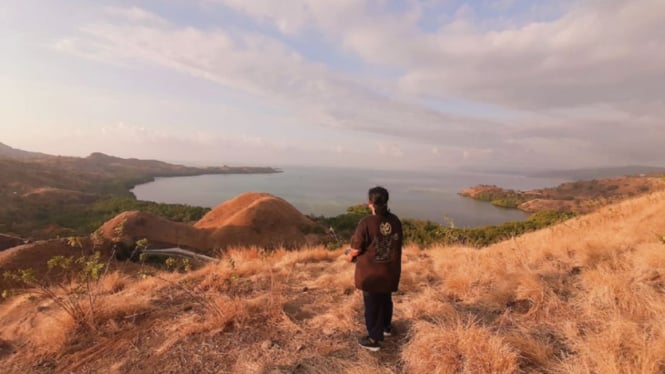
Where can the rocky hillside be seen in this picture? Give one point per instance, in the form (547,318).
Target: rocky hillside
(587,295)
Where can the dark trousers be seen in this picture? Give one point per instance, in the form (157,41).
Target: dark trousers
(378,313)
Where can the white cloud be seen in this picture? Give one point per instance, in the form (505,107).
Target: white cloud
(4,12)
(135,14)
(135,134)
(129,140)
(592,78)
(502,4)
(477,154)
(599,51)
(293,16)
(392,150)
(238,61)
(587,80)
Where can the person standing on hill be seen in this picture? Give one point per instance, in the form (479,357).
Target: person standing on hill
(376,246)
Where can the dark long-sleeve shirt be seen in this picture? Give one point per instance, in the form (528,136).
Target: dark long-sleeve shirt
(379,266)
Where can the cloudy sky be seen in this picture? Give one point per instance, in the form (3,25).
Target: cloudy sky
(368,83)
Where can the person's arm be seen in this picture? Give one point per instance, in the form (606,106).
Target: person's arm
(358,241)
(352,254)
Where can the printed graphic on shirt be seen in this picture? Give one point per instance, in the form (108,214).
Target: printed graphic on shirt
(385,228)
(385,243)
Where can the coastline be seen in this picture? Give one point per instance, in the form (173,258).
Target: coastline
(317,191)
(50,196)
(577,197)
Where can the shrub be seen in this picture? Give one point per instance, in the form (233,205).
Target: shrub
(507,202)
(343,225)
(426,233)
(422,233)
(181,265)
(483,196)
(75,292)
(112,206)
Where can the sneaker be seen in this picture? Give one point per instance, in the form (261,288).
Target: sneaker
(388,331)
(367,343)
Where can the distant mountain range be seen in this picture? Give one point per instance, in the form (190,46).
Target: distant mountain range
(100,163)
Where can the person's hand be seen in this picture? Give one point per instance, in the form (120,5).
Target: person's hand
(350,255)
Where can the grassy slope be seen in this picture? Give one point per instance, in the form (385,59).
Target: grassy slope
(583,296)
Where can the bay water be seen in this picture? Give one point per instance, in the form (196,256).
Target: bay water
(426,195)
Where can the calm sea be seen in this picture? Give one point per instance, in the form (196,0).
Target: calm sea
(329,191)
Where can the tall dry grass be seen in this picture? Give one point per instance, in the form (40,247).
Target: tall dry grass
(586,296)
(583,296)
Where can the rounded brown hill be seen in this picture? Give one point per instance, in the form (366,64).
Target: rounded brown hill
(249,220)
(256,219)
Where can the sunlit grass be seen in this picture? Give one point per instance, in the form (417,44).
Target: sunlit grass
(583,296)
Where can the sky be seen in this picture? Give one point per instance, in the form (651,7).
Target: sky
(431,84)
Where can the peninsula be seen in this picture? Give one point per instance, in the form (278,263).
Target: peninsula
(576,197)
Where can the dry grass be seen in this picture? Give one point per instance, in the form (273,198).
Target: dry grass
(586,296)
(457,347)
